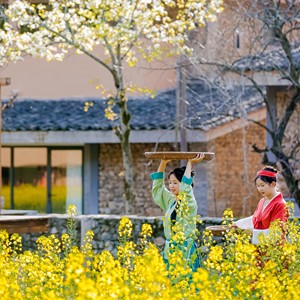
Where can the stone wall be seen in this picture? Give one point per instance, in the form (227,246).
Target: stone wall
(111,178)
(202,183)
(105,228)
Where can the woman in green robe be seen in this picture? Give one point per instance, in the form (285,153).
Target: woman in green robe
(184,214)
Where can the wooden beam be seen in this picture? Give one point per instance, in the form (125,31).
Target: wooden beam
(20,226)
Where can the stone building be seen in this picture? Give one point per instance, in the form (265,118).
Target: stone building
(82,154)
(53,144)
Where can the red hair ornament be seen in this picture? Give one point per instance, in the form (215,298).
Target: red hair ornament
(267,173)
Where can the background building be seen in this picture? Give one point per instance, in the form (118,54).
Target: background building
(58,153)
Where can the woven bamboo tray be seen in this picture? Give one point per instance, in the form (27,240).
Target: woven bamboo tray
(178,155)
(219,230)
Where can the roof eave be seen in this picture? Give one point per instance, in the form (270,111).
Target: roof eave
(261,78)
(236,124)
(80,138)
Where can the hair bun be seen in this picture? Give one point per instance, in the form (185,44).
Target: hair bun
(271,169)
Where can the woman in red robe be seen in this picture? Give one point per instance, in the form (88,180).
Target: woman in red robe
(270,208)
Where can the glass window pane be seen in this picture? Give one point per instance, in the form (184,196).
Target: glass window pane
(66,180)
(5,157)
(30,190)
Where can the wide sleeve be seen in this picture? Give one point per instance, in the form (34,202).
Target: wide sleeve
(256,233)
(245,223)
(161,196)
(186,188)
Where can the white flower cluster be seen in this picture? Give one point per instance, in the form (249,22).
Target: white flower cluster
(123,28)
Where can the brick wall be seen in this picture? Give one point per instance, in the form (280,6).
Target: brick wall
(230,37)
(235,166)
(291,137)
(234,34)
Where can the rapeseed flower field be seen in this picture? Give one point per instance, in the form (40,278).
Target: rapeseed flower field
(235,269)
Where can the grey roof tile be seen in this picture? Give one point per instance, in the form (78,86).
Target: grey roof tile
(207,107)
(271,60)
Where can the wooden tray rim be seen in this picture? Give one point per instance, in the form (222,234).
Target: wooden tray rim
(177,155)
(219,230)
(220,227)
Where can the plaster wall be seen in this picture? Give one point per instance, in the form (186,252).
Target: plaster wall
(80,76)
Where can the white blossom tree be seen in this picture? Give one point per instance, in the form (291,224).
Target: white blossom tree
(125,29)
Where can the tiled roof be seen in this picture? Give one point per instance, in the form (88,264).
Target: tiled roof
(207,108)
(210,106)
(273,60)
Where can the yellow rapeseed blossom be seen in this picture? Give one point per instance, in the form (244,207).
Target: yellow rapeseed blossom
(234,269)
(72,210)
(125,228)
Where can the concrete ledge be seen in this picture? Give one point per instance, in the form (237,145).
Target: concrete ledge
(17,212)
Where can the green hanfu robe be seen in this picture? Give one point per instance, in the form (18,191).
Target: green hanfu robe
(167,202)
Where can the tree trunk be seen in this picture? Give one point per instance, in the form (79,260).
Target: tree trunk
(123,132)
(290,180)
(129,193)
(296,196)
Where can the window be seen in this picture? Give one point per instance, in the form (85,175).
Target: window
(237,39)
(43,179)
(30,178)
(66,180)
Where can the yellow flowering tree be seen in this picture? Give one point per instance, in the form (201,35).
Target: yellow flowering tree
(125,29)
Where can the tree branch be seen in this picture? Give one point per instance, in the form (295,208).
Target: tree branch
(287,115)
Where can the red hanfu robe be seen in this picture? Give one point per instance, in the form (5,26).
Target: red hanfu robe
(260,221)
(275,210)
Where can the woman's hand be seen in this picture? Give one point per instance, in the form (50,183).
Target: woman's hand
(189,165)
(198,158)
(163,164)
(166,161)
